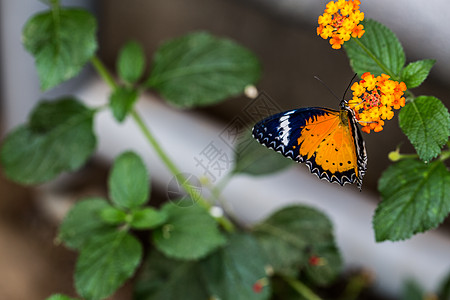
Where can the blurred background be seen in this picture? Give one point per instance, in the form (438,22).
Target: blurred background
(282,34)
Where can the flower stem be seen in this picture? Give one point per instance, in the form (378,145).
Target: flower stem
(376,60)
(104,73)
(302,289)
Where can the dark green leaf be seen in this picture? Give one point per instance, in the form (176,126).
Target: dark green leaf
(232,272)
(413,291)
(444,289)
(426,123)
(416,72)
(200,69)
(58,138)
(255,159)
(131,62)
(147,218)
(416,198)
(165,279)
(112,215)
(189,232)
(62,42)
(122,101)
(105,263)
(83,222)
(292,235)
(129,181)
(60,297)
(377,51)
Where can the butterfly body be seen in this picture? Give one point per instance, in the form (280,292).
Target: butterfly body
(327,141)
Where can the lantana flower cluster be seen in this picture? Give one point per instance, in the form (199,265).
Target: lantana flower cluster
(340,21)
(374,99)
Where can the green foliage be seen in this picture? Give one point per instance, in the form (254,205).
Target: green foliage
(292,235)
(113,216)
(129,181)
(444,288)
(105,262)
(377,51)
(412,291)
(229,274)
(131,62)
(59,297)
(416,198)
(250,154)
(183,226)
(147,218)
(199,69)
(416,72)
(426,122)
(122,102)
(57,138)
(83,222)
(62,41)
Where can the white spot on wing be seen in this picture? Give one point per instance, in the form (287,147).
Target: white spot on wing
(284,128)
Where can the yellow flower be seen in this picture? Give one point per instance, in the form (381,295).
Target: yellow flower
(373,100)
(340,21)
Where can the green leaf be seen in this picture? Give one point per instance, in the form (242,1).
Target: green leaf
(131,62)
(426,123)
(129,181)
(83,222)
(189,233)
(416,72)
(444,288)
(122,102)
(166,279)
(412,291)
(239,265)
(292,235)
(254,159)
(416,198)
(147,218)
(112,215)
(58,138)
(62,42)
(199,69)
(60,297)
(377,51)
(105,263)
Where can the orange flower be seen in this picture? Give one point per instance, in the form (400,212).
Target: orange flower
(374,98)
(339,21)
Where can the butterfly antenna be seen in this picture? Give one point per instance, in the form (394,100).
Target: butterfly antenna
(328,88)
(349,85)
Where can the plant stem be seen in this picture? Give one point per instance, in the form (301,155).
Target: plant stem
(376,60)
(302,289)
(193,193)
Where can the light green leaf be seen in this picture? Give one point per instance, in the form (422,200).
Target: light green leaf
(292,235)
(239,265)
(166,279)
(416,198)
(377,51)
(58,138)
(122,102)
(426,123)
(129,181)
(254,159)
(199,69)
(83,222)
(105,263)
(416,72)
(131,62)
(189,233)
(60,297)
(62,42)
(147,218)
(112,215)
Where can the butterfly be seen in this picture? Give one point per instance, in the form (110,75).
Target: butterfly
(328,141)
